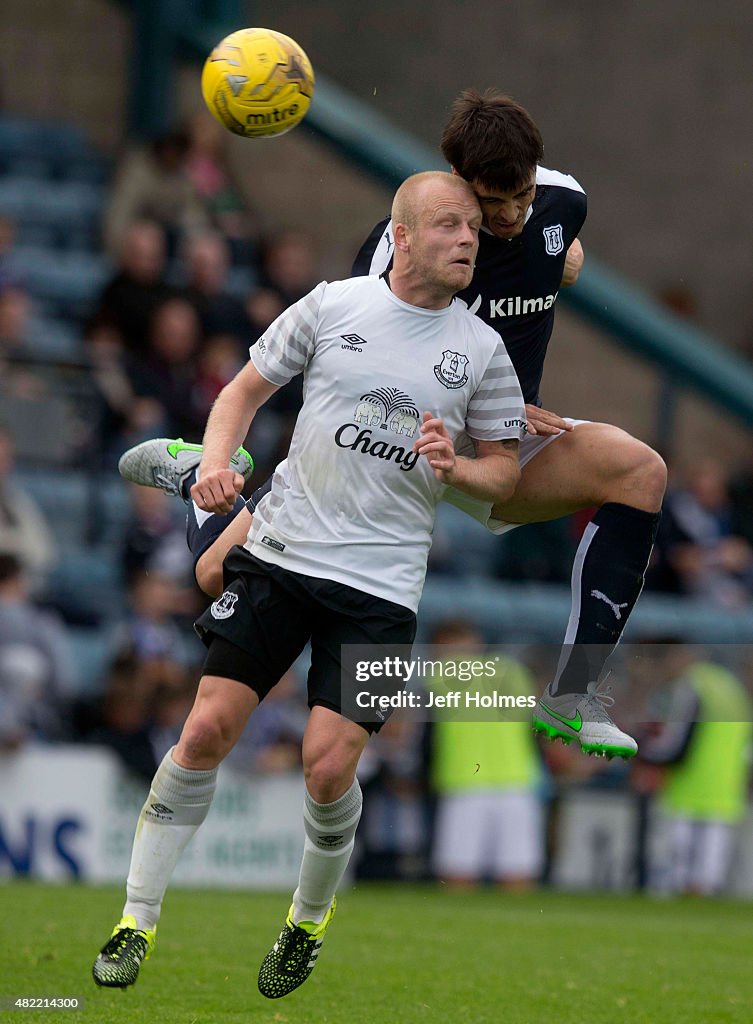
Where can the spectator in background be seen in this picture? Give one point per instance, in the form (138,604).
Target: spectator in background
(119,718)
(288,271)
(7,243)
(36,664)
(288,266)
(138,287)
(143,705)
(208,170)
(126,418)
(489,823)
(703,744)
(220,360)
(272,745)
(24,342)
(153,183)
(15,321)
(263,306)
(207,262)
(24,532)
(167,373)
(173,694)
(741,503)
(152,524)
(18,378)
(394,831)
(152,631)
(696,551)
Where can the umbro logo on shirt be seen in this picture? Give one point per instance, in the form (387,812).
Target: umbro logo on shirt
(353,342)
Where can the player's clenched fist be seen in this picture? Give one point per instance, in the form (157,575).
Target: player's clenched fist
(217,491)
(436,444)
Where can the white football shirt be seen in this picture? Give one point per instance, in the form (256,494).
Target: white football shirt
(352,502)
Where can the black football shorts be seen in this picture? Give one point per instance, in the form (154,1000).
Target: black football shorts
(266,614)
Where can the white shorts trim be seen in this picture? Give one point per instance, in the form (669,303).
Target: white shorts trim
(531,446)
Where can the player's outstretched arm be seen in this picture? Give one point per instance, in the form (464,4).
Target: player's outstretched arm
(492,475)
(231,416)
(208,569)
(573,264)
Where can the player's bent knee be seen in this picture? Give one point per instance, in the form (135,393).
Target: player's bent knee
(328,778)
(632,468)
(656,473)
(204,739)
(647,469)
(209,575)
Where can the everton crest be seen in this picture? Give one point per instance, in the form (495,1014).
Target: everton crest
(224,606)
(553,239)
(451,371)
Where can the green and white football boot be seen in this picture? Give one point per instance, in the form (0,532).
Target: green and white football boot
(167,463)
(583,717)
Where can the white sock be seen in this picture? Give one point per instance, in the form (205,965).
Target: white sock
(330,832)
(177,804)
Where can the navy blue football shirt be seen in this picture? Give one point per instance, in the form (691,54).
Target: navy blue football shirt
(516,281)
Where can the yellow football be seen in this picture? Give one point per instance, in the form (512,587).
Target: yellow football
(258,83)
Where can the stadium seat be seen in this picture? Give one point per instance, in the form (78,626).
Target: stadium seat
(86,586)
(37,167)
(69,284)
(91,169)
(24,137)
(16,195)
(55,203)
(94,650)
(42,236)
(44,429)
(86,507)
(62,497)
(115,512)
(54,339)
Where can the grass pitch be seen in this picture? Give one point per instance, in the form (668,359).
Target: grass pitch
(394,955)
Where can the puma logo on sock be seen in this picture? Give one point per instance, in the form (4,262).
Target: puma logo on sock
(616,608)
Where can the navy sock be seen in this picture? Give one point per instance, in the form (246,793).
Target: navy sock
(607,581)
(203,528)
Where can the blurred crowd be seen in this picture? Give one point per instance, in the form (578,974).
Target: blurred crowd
(193,277)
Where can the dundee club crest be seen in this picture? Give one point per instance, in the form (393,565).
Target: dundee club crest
(553,239)
(451,371)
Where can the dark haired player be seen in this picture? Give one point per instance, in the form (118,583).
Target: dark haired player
(528,249)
